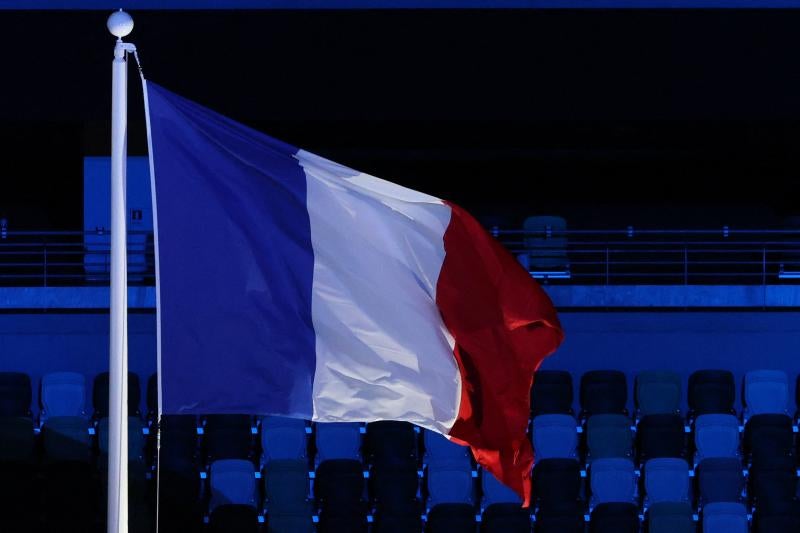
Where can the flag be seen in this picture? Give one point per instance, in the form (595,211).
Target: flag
(291,285)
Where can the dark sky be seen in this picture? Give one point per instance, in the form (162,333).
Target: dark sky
(611,117)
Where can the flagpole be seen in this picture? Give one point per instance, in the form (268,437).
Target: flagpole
(120,25)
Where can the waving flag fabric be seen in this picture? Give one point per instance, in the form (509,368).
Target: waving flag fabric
(291,285)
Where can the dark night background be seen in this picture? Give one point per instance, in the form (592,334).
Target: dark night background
(655,118)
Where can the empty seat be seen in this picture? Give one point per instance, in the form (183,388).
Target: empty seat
(228,437)
(283,438)
(554,437)
(612,480)
(100,395)
(439,447)
(711,391)
(768,435)
(230,518)
(16,440)
(295,524)
(603,391)
(339,490)
(495,492)
(66,438)
(614,518)
(608,436)
(556,483)
(551,393)
(716,435)
(450,482)
(727,517)
(720,479)
(565,518)
(397,521)
(666,479)
(390,442)
(451,518)
(15,394)
(286,489)
(505,518)
(766,392)
(178,482)
(773,484)
(784,522)
(395,487)
(338,440)
(670,517)
(660,436)
(63,394)
(232,482)
(657,393)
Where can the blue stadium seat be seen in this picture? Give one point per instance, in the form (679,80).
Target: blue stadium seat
(608,435)
(505,518)
(612,480)
(286,493)
(439,447)
(391,442)
(339,490)
(229,518)
(666,479)
(15,395)
(767,436)
(283,438)
(177,472)
(766,392)
(555,437)
(16,440)
(100,395)
(338,440)
(670,517)
(291,523)
(711,391)
(614,517)
(660,436)
(63,394)
(784,522)
(232,482)
(451,518)
(716,435)
(495,492)
(407,520)
(773,484)
(551,393)
(563,518)
(603,392)
(228,437)
(556,484)
(450,482)
(720,479)
(66,438)
(657,393)
(725,517)
(395,487)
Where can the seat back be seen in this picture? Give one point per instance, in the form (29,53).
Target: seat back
(231,517)
(608,435)
(228,437)
(670,517)
(658,392)
(551,393)
(612,480)
(450,482)
(603,391)
(283,438)
(66,438)
(556,482)
(711,391)
(666,479)
(768,435)
(286,487)
(555,436)
(390,442)
(100,395)
(720,479)
(766,392)
(725,516)
(495,492)
(15,394)
(505,518)
(661,436)
(63,394)
(338,440)
(440,448)
(451,518)
(232,482)
(16,440)
(716,435)
(615,517)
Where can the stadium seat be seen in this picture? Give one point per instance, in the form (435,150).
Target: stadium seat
(286,491)
(283,438)
(231,518)
(16,440)
(614,518)
(15,395)
(603,392)
(657,393)
(556,483)
(178,481)
(564,518)
(63,394)
(450,482)
(716,435)
(66,438)
(339,490)
(338,440)
(294,524)
(397,521)
(720,479)
(660,436)
(612,480)
(439,447)
(711,391)
(495,492)
(787,521)
(228,437)
(773,484)
(608,436)
(766,392)
(394,487)
(670,517)
(232,482)
(666,479)
(505,518)
(100,395)
(768,435)
(391,443)
(136,440)
(551,393)
(555,437)
(724,517)
(451,518)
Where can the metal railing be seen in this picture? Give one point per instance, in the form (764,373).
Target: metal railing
(585,257)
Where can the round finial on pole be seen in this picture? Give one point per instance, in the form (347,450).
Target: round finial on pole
(120,24)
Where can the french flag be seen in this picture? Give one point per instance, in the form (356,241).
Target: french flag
(291,285)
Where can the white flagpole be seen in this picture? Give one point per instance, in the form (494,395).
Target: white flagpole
(120,25)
